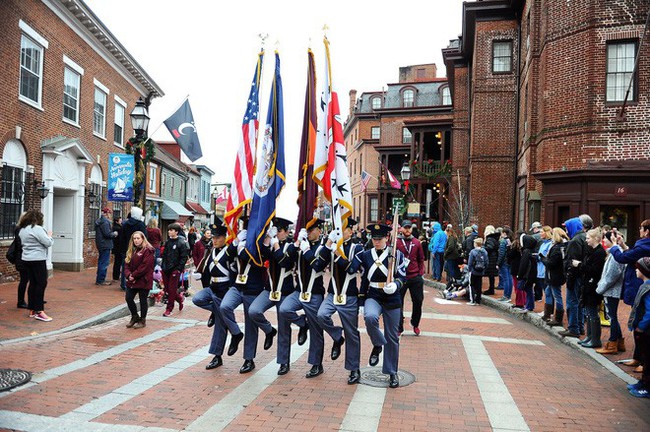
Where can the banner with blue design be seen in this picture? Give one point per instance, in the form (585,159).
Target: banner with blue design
(121,173)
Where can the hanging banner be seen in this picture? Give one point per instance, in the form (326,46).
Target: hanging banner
(121,173)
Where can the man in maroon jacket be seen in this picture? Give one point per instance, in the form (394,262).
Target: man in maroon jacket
(414,256)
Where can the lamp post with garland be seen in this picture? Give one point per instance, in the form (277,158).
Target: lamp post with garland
(142,148)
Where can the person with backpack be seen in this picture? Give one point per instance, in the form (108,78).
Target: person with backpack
(477,264)
(14,257)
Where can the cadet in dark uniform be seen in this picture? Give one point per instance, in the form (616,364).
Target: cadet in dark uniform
(280,273)
(249,283)
(382,298)
(218,267)
(342,298)
(310,266)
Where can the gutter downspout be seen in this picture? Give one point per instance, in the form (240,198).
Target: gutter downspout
(516,155)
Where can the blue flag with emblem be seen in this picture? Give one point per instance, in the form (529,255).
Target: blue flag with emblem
(269,177)
(181,126)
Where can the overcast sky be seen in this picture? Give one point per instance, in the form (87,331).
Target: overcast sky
(207,50)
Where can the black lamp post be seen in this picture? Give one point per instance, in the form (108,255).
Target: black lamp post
(43,190)
(406,176)
(140,122)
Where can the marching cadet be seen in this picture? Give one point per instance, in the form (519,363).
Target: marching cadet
(249,283)
(382,298)
(342,298)
(309,296)
(218,267)
(282,259)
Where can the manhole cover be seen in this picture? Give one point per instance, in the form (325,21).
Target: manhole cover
(10,378)
(373,377)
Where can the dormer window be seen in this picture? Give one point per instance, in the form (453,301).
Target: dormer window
(408,98)
(375,102)
(446,95)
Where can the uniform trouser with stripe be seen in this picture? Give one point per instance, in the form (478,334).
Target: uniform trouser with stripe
(261,304)
(231,300)
(208,300)
(389,339)
(287,315)
(316,339)
(349,315)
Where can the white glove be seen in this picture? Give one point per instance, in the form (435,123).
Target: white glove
(333,237)
(196,276)
(304,245)
(274,241)
(302,235)
(362,310)
(390,288)
(241,236)
(333,246)
(272,232)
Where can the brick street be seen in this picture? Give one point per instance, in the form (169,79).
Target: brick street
(476,368)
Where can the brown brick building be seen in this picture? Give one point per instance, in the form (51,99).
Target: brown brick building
(67,87)
(538,87)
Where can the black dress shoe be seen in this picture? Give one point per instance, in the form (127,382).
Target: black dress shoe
(23,305)
(336,348)
(393,381)
(211,320)
(284,369)
(234,343)
(248,366)
(268,341)
(302,335)
(355,376)
(314,371)
(215,363)
(374,355)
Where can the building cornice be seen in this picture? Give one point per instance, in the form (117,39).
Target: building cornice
(78,16)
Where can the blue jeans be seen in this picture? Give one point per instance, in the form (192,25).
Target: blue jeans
(436,265)
(102,265)
(552,295)
(505,280)
(530,294)
(451,267)
(574,313)
(612,309)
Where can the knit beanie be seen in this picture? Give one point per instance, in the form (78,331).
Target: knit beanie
(643,265)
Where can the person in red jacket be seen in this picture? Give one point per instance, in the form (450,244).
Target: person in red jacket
(138,272)
(414,258)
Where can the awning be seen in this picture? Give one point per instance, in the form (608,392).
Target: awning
(196,208)
(173,210)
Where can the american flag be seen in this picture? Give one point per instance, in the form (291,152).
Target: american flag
(241,189)
(365,179)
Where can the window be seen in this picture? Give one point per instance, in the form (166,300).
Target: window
(163,189)
(95,199)
(374,209)
(407,138)
(152,177)
(172,181)
(12,186)
(99,113)
(522,208)
(360,163)
(118,127)
(446,96)
(71,85)
(31,71)
(375,132)
(118,210)
(376,102)
(408,97)
(502,57)
(620,65)
(206,191)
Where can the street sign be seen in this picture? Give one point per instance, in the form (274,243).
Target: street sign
(399,202)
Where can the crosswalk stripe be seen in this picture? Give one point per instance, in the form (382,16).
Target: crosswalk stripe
(465,318)
(364,411)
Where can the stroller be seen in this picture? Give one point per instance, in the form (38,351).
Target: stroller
(456,285)
(156,293)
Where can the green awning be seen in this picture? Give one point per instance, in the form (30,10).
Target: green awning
(173,210)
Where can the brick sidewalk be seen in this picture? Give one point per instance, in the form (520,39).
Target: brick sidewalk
(72,297)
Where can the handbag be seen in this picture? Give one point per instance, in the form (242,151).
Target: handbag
(15,251)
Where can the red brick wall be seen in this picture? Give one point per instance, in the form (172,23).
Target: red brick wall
(38,125)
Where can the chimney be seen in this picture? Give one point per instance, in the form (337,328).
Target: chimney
(353,101)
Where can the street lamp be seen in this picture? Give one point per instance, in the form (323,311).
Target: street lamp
(43,190)
(140,122)
(406,176)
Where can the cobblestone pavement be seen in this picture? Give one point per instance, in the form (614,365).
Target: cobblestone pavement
(476,368)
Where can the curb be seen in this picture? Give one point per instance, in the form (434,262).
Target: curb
(537,321)
(117,312)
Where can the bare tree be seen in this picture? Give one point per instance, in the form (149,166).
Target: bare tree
(460,210)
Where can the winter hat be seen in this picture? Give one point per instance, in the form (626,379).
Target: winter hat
(643,265)
(136,213)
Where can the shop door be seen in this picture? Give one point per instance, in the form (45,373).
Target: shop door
(624,218)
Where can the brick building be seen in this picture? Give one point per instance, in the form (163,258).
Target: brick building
(409,123)
(538,89)
(67,86)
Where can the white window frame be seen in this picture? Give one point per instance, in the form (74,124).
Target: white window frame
(408,103)
(153,170)
(100,134)
(498,56)
(616,93)
(376,129)
(29,42)
(73,73)
(119,104)
(407,136)
(446,96)
(373,205)
(375,100)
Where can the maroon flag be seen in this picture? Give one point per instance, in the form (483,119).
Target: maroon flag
(307,188)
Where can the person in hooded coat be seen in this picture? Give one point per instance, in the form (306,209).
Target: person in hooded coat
(527,272)
(492,248)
